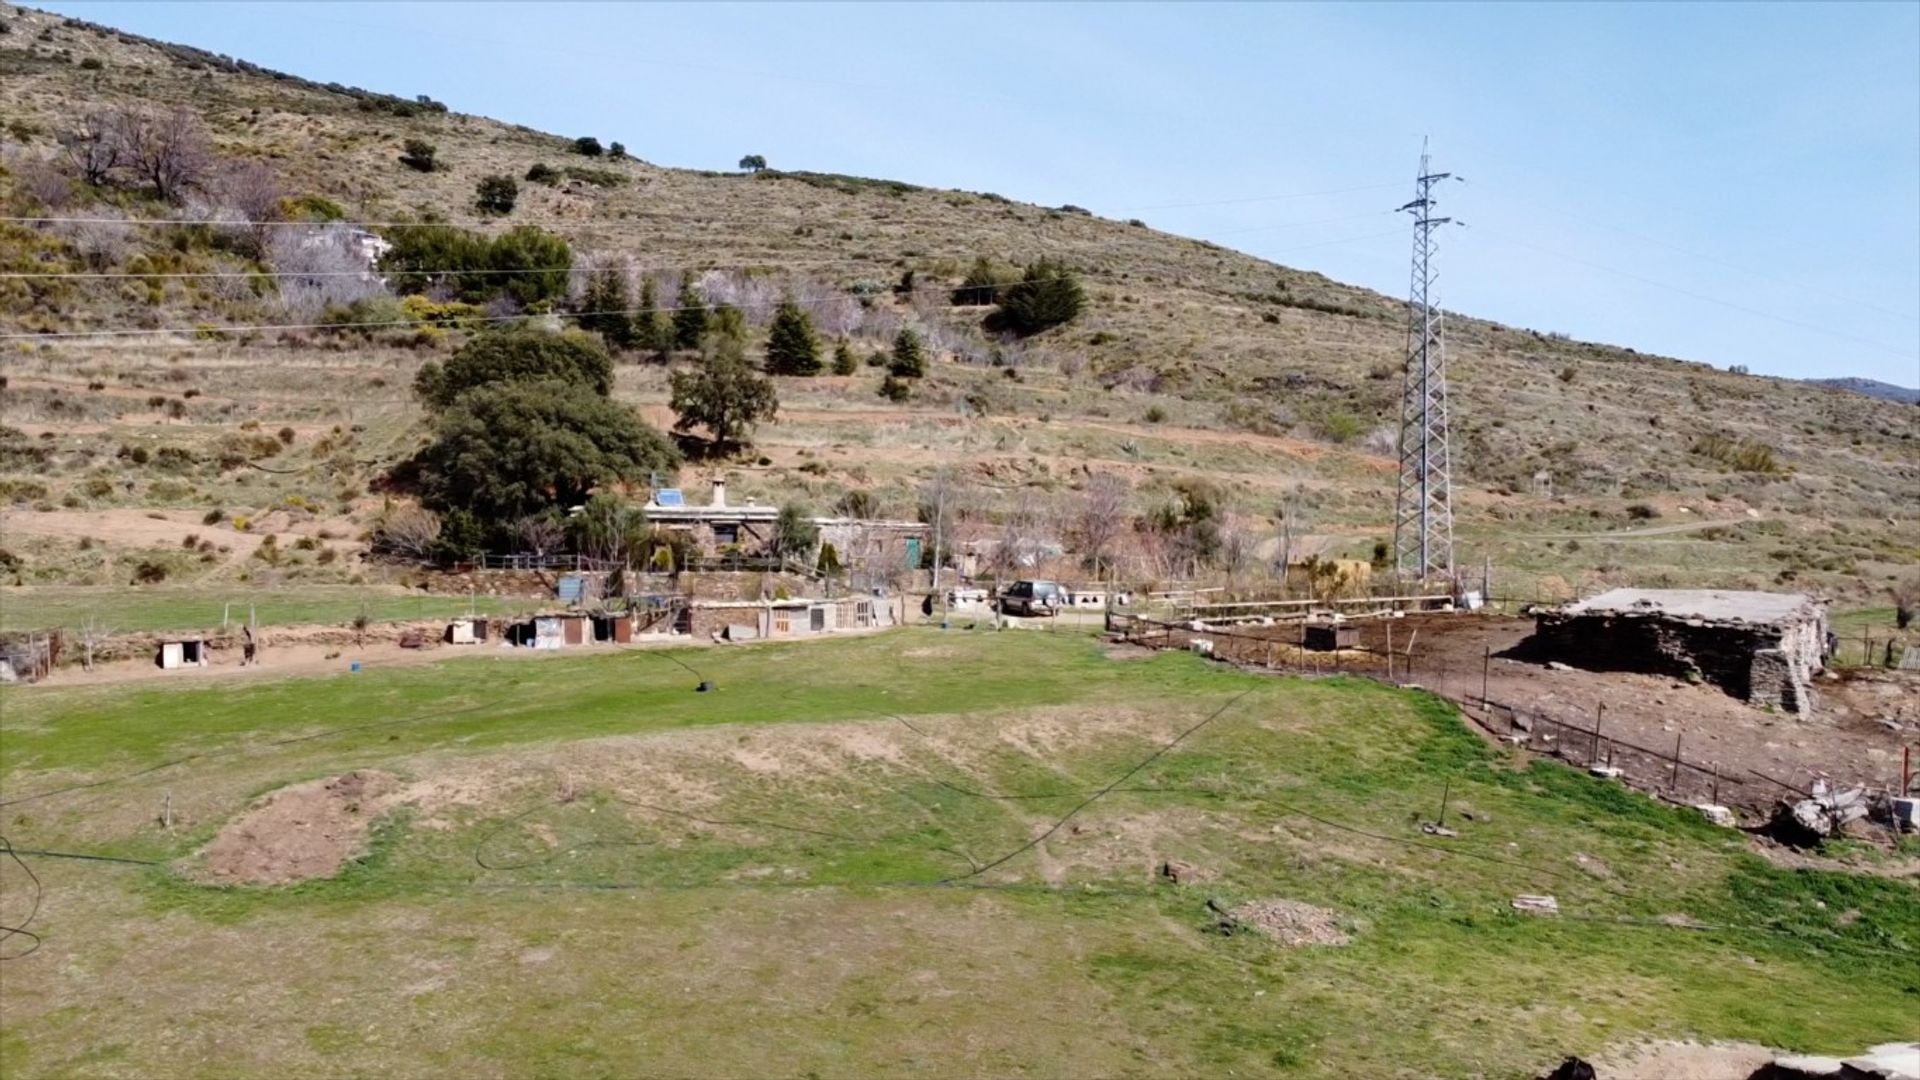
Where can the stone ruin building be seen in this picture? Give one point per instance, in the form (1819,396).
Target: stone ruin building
(1761,647)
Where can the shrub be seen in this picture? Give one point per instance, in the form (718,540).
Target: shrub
(286,436)
(616,150)
(894,388)
(1155,414)
(1744,456)
(542,173)
(138,455)
(149,572)
(1340,426)
(213,516)
(1046,296)
(753,163)
(588,146)
(1642,512)
(844,362)
(419,155)
(496,194)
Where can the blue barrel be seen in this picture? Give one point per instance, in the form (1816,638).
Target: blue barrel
(354,667)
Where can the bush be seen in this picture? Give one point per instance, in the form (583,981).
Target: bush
(753,163)
(1155,414)
(419,155)
(616,150)
(1340,426)
(844,362)
(588,146)
(1046,296)
(149,572)
(794,533)
(1744,456)
(496,194)
(542,173)
(1641,512)
(895,389)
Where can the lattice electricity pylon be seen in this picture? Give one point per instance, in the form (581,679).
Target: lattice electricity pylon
(1423,512)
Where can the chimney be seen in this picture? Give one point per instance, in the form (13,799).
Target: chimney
(719,494)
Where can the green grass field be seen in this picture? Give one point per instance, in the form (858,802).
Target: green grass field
(135,609)
(595,870)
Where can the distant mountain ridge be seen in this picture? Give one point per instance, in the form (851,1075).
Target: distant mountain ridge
(1873,388)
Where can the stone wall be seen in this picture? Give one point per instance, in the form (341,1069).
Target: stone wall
(1767,665)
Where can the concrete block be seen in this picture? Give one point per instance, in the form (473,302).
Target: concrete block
(1719,815)
(1607,772)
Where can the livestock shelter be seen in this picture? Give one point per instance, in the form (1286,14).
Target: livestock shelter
(1762,647)
(181,653)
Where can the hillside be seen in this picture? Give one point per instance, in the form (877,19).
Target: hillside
(1189,360)
(1874,388)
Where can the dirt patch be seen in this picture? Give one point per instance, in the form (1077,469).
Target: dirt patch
(300,832)
(1669,1060)
(1292,923)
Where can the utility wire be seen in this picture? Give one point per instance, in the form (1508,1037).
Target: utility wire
(1893,350)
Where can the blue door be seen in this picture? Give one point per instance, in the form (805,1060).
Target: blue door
(913,553)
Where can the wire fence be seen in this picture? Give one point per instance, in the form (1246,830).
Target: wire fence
(1570,731)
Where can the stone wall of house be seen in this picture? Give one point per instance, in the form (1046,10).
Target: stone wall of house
(1766,665)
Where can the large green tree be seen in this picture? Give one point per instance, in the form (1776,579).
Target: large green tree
(533,264)
(792,348)
(518,354)
(515,448)
(689,315)
(1047,295)
(724,395)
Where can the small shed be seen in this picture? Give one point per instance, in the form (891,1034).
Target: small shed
(539,632)
(1330,636)
(462,632)
(180,653)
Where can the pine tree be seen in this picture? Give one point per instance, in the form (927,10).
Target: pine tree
(791,347)
(690,316)
(909,359)
(844,362)
(651,327)
(1049,294)
(606,309)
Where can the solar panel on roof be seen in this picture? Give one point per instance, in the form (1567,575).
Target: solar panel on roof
(669,497)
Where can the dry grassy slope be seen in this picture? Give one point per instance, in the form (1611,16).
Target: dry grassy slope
(1608,424)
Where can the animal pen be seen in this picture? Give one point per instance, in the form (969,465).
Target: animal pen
(1392,654)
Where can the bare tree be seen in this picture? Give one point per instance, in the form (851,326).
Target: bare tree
(251,192)
(1292,520)
(943,500)
(168,150)
(319,268)
(407,531)
(50,186)
(1103,514)
(92,632)
(98,146)
(539,533)
(102,241)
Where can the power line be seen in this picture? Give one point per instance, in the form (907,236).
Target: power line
(1763,275)
(1628,274)
(1256,198)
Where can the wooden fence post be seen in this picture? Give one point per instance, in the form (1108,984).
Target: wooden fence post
(1673,784)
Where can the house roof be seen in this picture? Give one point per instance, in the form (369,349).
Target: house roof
(1707,605)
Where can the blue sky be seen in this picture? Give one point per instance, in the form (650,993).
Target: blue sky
(1732,183)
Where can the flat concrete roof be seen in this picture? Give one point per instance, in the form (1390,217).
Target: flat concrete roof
(1710,605)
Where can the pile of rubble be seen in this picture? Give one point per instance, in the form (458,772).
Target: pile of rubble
(1828,811)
